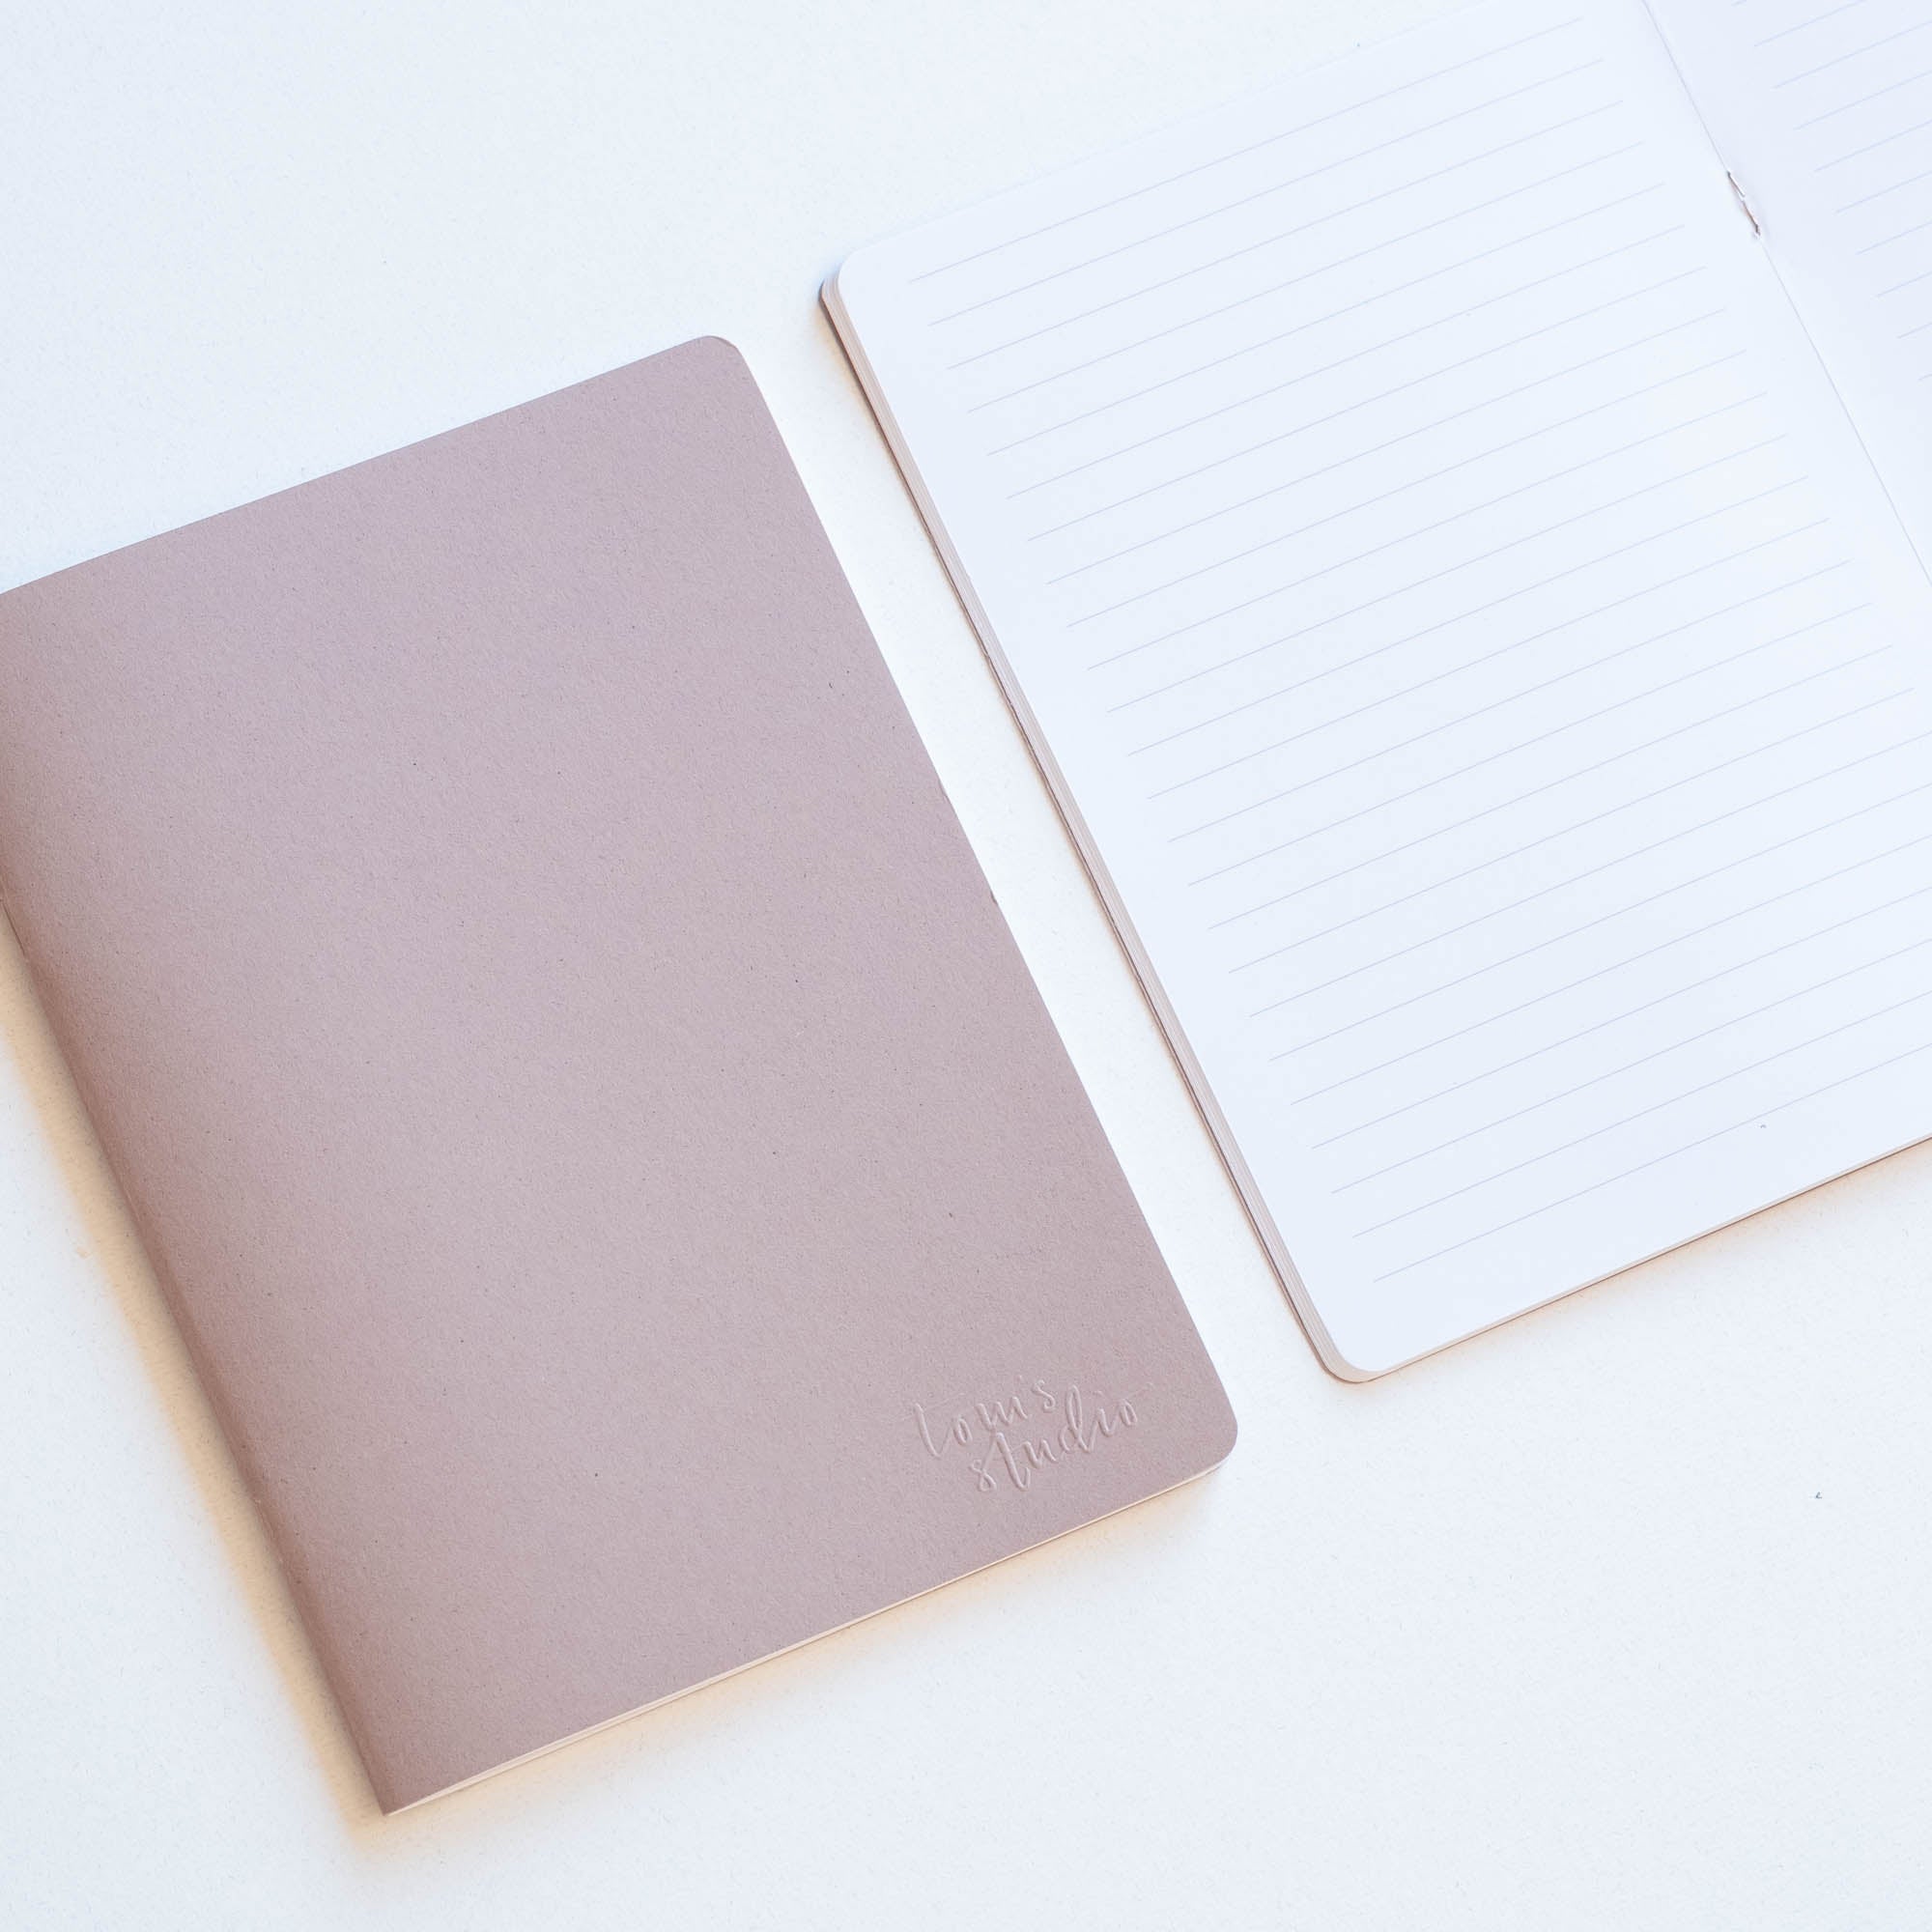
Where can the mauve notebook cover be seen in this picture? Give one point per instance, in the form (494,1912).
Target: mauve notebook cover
(627,1201)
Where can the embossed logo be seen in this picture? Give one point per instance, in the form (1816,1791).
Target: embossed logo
(1007,1441)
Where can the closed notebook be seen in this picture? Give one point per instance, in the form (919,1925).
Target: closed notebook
(627,1202)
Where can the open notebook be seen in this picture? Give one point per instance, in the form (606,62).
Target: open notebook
(1467,586)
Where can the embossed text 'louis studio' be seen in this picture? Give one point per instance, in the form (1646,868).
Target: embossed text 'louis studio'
(1012,1439)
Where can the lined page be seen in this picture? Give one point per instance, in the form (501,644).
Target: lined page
(1823,109)
(1465,635)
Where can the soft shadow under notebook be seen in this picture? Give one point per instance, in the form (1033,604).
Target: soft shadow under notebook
(621,1188)
(1455,529)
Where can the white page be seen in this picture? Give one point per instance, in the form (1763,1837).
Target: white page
(1823,110)
(1466,638)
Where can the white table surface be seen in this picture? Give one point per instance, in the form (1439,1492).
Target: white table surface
(1615,1617)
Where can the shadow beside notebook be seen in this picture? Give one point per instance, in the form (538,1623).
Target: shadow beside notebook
(50,1092)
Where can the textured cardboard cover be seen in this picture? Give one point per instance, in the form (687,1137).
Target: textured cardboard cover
(623,1192)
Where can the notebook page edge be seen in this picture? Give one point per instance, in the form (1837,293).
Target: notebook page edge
(1246,1187)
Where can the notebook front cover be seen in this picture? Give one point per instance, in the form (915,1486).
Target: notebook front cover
(620,1186)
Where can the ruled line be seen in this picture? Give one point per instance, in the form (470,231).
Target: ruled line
(1508,597)
(1872,148)
(1857,53)
(1274,188)
(1455,1087)
(1499,704)
(1435,476)
(1904,234)
(1648,953)
(1290,234)
(1864,100)
(1487,656)
(1644,1113)
(1460,564)
(1817,19)
(1331,267)
(1637,905)
(1648,1059)
(1525,744)
(1429,327)
(1658,1161)
(1429,530)
(1567,831)
(1240,153)
(1408,436)
(1398,389)
(1890,189)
